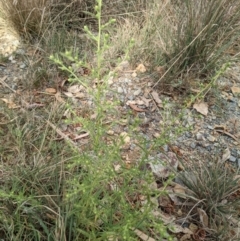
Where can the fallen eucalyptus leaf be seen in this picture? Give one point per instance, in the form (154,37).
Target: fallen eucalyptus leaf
(203,217)
(226,155)
(201,107)
(235,90)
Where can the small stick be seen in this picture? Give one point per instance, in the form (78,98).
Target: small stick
(228,134)
(2,80)
(64,136)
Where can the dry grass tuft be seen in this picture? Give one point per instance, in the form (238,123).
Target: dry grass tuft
(32,18)
(215,190)
(187,36)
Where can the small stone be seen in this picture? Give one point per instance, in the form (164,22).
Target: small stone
(165,148)
(190,119)
(193,145)
(80,95)
(209,148)
(110,80)
(89,103)
(177,122)
(130,97)
(180,167)
(232,159)
(230,98)
(11,58)
(63,127)
(193,227)
(20,51)
(141,115)
(110,132)
(210,127)
(122,99)
(127,81)
(211,138)
(137,92)
(199,136)
(188,134)
(125,136)
(120,90)
(14,86)
(234,152)
(132,146)
(22,66)
(134,74)
(124,64)
(238,162)
(179,212)
(180,139)
(156,135)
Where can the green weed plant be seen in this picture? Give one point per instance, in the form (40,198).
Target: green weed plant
(99,196)
(91,195)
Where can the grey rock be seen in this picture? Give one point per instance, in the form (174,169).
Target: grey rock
(137,92)
(11,58)
(193,145)
(232,159)
(130,97)
(180,139)
(188,134)
(165,148)
(127,80)
(120,90)
(121,98)
(20,51)
(199,136)
(232,109)
(234,152)
(211,138)
(210,127)
(238,162)
(190,120)
(132,146)
(22,66)
(141,115)
(209,148)
(233,100)
(14,86)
